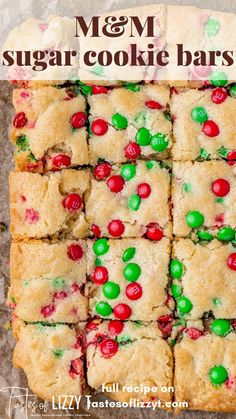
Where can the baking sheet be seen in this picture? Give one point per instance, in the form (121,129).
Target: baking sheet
(11,407)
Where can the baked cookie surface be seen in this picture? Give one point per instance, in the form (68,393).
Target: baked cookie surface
(46,205)
(203,196)
(129,280)
(130,355)
(130,200)
(47,281)
(49,128)
(126,125)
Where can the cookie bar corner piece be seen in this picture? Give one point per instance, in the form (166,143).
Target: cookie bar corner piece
(52,358)
(130,200)
(131,355)
(204,124)
(46,205)
(205,373)
(129,123)
(49,129)
(51,277)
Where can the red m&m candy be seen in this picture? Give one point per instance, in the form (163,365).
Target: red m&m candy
(194,333)
(210,128)
(115,183)
(97,90)
(61,160)
(231,261)
(19,120)
(72,202)
(47,311)
(122,311)
(154,232)
(220,187)
(152,104)
(102,171)
(96,230)
(100,275)
(115,327)
(134,291)
(219,95)
(132,151)
(144,190)
(99,127)
(78,120)
(109,347)
(75,252)
(116,228)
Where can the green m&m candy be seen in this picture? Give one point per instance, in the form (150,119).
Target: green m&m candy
(143,137)
(59,283)
(176,269)
(128,254)
(194,219)
(232,90)
(128,171)
(176,290)
(111,290)
(134,202)
(133,87)
(150,164)
(212,27)
(132,272)
(199,114)
(226,234)
(220,327)
(184,305)
(187,187)
(100,247)
(218,374)
(205,236)
(119,121)
(98,262)
(58,353)
(103,308)
(218,78)
(159,142)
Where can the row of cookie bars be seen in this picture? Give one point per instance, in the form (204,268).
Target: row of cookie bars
(66,262)
(55,128)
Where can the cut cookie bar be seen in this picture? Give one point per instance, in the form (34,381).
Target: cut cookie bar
(204,196)
(51,357)
(132,356)
(47,205)
(49,128)
(204,124)
(47,281)
(129,278)
(204,279)
(205,369)
(127,124)
(129,200)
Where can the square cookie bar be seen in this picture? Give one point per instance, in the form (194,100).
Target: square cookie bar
(47,205)
(128,124)
(52,358)
(49,128)
(205,369)
(129,278)
(126,357)
(130,200)
(204,279)
(204,124)
(203,196)
(47,281)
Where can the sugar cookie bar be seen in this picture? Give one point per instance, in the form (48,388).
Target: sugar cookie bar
(47,281)
(49,128)
(129,278)
(47,205)
(129,200)
(130,355)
